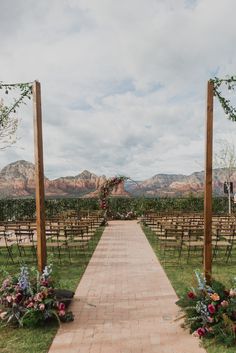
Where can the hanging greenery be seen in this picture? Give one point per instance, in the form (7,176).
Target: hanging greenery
(230,83)
(9,122)
(25,92)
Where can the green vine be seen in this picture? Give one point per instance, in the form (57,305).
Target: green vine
(230,83)
(25,92)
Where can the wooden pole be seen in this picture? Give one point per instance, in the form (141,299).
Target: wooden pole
(39,177)
(208,185)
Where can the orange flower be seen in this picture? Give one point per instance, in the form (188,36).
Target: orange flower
(214,297)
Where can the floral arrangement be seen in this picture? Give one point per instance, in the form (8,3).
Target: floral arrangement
(211,311)
(124,215)
(25,302)
(107,188)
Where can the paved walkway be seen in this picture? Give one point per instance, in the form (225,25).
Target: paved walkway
(124,302)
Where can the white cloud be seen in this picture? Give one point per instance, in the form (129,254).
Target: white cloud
(123,83)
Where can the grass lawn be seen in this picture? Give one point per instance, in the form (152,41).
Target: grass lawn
(182,276)
(67,275)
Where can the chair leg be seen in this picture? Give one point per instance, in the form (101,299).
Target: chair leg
(229,250)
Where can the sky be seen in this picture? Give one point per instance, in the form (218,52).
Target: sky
(123,82)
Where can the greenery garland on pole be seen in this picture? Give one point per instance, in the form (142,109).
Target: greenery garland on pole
(8,124)
(106,190)
(230,83)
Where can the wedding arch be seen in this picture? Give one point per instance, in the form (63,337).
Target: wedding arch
(28,90)
(213,90)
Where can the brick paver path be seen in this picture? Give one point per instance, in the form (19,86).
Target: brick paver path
(124,302)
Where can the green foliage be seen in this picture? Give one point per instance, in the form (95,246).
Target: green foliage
(25,92)
(16,209)
(230,83)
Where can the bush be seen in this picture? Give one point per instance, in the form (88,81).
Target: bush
(16,209)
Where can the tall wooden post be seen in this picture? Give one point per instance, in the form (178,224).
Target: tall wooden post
(39,177)
(208,185)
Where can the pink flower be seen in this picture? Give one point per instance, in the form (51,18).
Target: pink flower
(210,319)
(211,308)
(6,283)
(224,303)
(195,334)
(41,307)
(3,314)
(9,298)
(201,331)
(191,295)
(38,297)
(232,293)
(61,306)
(30,305)
(62,313)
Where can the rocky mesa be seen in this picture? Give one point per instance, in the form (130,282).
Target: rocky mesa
(17,180)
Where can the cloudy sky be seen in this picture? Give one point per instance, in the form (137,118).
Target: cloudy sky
(123,82)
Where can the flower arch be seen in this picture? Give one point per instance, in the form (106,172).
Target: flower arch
(107,188)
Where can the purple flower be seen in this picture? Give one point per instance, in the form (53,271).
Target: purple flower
(23,280)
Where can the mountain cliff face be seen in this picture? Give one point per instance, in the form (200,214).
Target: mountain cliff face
(182,185)
(78,185)
(17,180)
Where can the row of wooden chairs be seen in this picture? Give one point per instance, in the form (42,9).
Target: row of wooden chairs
(62,236)
(186,233)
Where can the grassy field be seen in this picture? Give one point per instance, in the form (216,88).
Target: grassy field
(67,275)
(181,275)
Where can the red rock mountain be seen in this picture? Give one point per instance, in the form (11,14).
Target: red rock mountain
(182,185)
(17,180)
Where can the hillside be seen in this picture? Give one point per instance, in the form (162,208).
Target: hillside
(17,180)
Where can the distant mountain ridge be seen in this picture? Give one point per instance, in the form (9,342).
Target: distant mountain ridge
(17,180)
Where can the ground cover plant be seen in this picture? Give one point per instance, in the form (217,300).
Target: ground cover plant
(66,274)
(181,276)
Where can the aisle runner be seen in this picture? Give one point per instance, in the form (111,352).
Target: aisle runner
(124,302)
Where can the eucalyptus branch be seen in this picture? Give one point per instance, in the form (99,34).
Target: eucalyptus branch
(9,123)
(26,91)
(230,82)
(17,103)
